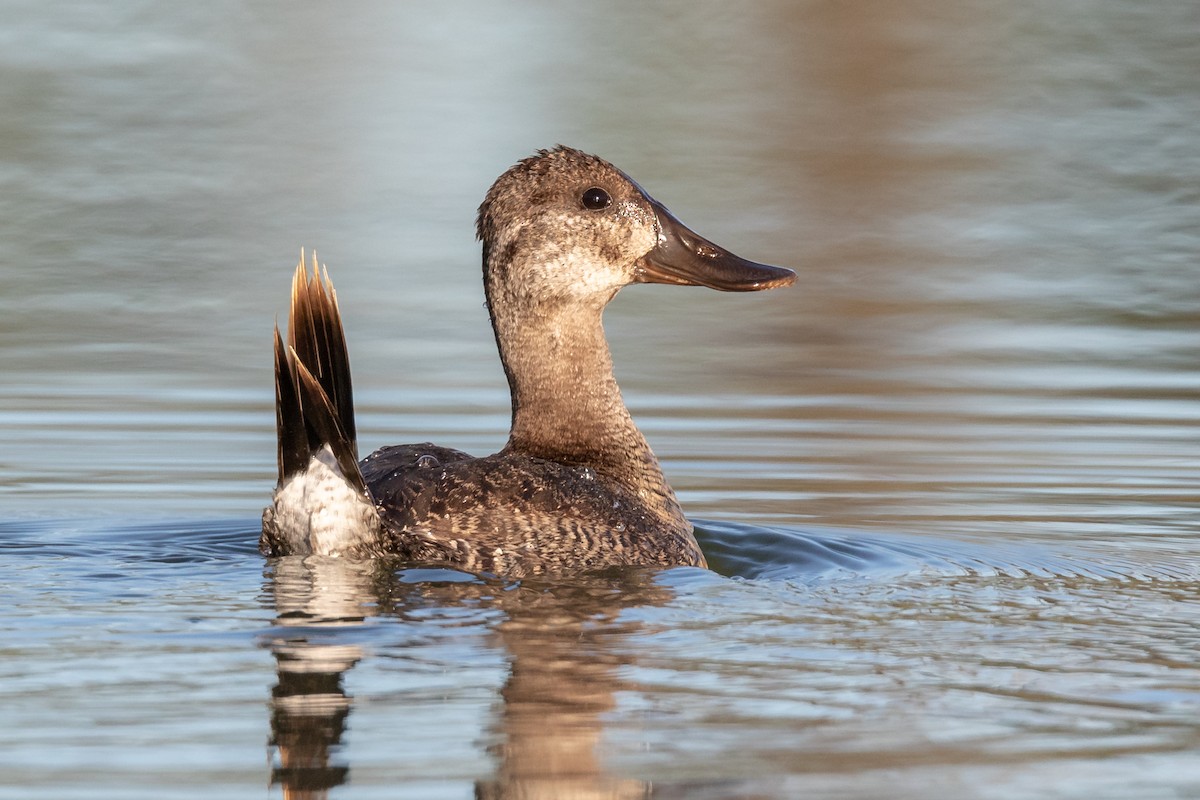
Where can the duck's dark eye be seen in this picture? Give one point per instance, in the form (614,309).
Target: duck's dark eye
(596,198)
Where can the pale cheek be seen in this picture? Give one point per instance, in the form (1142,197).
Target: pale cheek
(641,228)
(588,275)
(576,272)
(598,261)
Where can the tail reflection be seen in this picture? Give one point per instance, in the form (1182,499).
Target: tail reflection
(566,644)
(309,705)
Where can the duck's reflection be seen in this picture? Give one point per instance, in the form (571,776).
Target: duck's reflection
(564,641)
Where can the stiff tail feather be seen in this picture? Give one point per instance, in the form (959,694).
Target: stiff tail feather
(314,403)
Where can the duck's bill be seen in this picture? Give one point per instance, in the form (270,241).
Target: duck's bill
(685,258)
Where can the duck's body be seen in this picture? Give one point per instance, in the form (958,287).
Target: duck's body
(576,487)
(513,514)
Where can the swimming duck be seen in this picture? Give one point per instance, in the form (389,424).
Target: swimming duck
(576,487)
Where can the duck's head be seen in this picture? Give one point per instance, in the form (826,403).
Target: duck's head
(567,225)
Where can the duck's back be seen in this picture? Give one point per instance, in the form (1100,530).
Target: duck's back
(513,514)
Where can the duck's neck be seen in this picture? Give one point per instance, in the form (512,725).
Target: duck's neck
(565,401)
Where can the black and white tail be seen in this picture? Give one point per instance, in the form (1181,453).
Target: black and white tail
(321,504)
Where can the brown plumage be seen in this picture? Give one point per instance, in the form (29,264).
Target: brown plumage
(576,487)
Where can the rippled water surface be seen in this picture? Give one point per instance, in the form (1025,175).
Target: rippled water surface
(947,482)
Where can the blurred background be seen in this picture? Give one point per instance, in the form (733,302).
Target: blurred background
(992,209)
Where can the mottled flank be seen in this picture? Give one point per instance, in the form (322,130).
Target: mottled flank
(576,487)
(513,514)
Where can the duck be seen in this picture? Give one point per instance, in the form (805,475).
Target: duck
(576,487)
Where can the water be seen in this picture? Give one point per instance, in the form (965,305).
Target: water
(948,482)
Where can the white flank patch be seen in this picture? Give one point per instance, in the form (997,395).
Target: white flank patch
(318,512)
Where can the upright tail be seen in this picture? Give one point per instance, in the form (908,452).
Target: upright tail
(314,402)
(321,498)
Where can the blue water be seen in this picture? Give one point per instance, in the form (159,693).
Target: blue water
(167,660)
